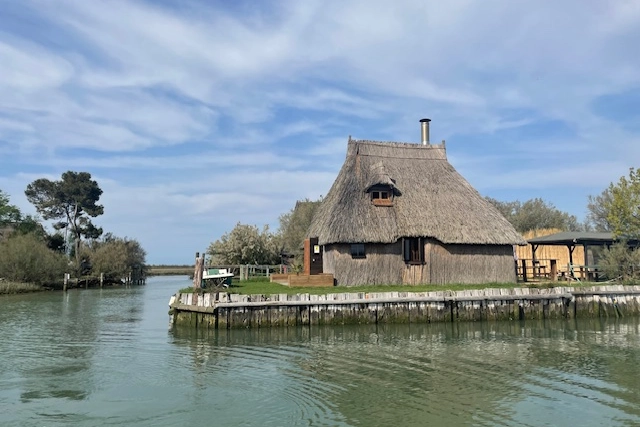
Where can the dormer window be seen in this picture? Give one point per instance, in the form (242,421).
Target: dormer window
(382,197)
(379,195)
(381,186)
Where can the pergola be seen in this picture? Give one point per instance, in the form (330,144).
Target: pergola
(571,239)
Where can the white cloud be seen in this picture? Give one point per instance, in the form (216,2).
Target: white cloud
(217,116)
(18,61)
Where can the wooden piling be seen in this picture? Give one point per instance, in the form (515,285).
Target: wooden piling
(198,271)
(259,311)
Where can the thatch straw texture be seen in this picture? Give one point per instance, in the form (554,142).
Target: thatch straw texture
(383,264)
(432,200)
(443,264)
(470,263)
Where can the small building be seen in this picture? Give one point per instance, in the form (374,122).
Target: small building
(399,213)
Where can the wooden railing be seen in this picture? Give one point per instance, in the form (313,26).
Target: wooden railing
(536,269)
(248,271)
(530,270)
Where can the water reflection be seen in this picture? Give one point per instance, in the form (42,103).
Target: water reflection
(52,340)
(440,374)
(108,358)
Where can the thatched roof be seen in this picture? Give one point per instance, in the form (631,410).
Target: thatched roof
(435,201)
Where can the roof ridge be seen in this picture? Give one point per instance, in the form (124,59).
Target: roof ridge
(401,143)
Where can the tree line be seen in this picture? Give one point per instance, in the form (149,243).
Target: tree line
(248,244)
(616,210)
(29,253)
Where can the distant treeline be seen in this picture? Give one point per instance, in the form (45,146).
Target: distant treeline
(169,270)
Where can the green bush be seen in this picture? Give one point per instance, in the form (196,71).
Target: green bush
(26,258)
(116,257)
(621,263)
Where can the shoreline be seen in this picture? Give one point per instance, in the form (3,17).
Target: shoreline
(223,310)
(16,288)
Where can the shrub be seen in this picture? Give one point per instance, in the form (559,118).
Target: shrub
(117,257)
(26,258)
(621,263)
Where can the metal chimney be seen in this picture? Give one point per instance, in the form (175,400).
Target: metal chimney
(425,131)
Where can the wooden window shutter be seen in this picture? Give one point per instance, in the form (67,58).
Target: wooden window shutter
(406,249)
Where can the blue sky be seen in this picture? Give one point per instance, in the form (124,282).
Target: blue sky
(195,115)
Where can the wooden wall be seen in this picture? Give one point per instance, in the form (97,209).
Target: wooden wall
(383,264)
(443,264)
(470,263)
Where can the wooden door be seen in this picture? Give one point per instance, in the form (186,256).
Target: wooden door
(312,256)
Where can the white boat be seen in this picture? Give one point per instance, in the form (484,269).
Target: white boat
(213,277)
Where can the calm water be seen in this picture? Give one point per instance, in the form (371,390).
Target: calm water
(107,357)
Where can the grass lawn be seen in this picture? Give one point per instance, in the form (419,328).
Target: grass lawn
(262,286)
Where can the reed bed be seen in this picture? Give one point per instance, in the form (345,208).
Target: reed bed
(7,287)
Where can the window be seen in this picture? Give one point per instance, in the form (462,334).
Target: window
(383,195)
(357,250)
(413,250)
(381,198)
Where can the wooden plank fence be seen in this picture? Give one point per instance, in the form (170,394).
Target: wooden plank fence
(224,310)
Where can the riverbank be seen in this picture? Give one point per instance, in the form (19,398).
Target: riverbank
(169,270)
(10,288)
(224,310)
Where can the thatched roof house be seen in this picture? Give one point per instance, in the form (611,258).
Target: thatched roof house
(400,213)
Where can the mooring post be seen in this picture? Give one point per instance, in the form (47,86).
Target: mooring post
(101,279)
(65,282)
(197,274)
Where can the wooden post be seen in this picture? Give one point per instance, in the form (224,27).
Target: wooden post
(197,274)
(554,270)
(65,282)
(306,269)
(101,279)
(524,270)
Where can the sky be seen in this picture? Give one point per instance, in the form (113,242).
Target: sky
(193,115)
